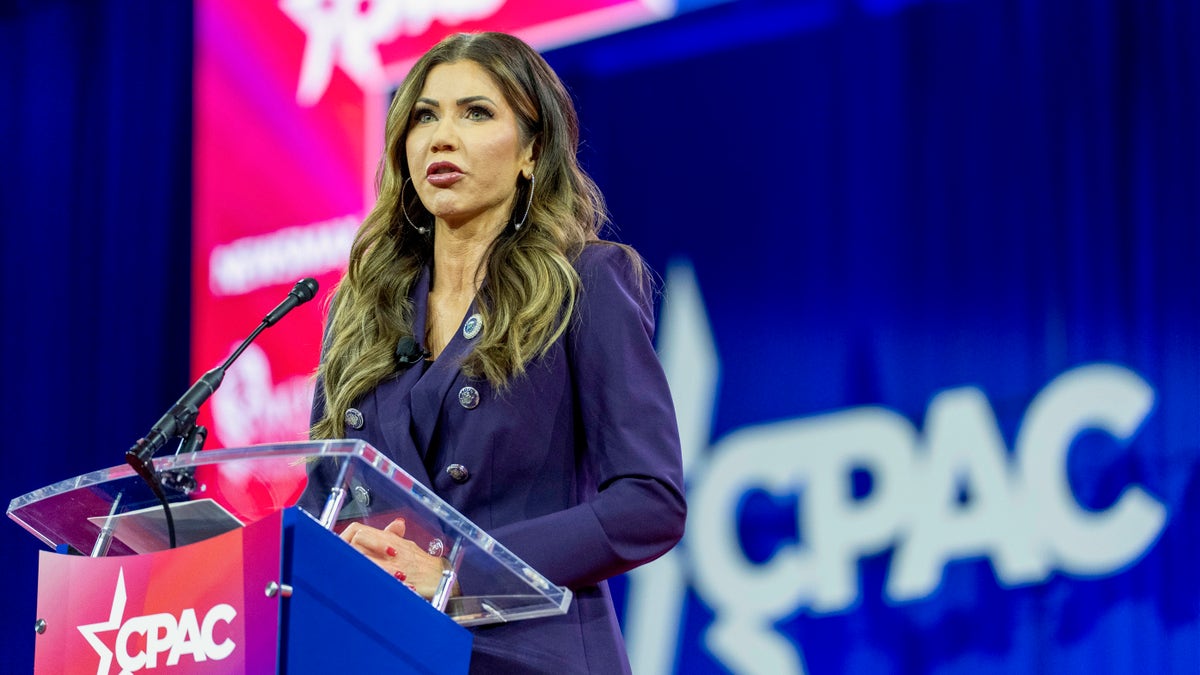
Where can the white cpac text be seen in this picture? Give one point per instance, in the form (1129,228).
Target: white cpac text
(1022,515)
(180,637)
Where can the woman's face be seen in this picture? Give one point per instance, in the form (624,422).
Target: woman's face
(464,148)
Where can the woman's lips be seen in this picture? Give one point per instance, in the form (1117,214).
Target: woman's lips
(444,180)
(443,174)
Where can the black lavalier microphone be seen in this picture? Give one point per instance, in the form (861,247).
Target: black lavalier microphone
(408,352)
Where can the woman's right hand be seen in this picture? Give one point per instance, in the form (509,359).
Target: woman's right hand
(400,557)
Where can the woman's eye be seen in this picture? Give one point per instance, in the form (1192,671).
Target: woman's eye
(422,116)
(478,113)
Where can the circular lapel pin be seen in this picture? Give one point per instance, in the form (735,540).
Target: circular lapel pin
(472,327)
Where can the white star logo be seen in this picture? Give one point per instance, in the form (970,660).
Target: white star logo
(339,33)
(347,34)
(115,617)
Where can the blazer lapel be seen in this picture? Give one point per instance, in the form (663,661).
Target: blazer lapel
(392,409)
(393,399)
(429,394)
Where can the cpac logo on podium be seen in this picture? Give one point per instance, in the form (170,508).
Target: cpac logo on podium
(140,640)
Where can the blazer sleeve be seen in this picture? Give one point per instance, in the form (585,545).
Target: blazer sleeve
(627,427)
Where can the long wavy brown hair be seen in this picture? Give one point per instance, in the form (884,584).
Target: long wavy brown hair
(530,285)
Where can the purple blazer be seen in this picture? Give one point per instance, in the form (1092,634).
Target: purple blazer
(575,468)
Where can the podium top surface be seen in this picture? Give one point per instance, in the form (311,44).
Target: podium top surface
(336,482)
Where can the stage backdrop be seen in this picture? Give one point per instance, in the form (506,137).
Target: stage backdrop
(930,304)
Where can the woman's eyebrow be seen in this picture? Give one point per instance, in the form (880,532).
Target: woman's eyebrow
(460,102)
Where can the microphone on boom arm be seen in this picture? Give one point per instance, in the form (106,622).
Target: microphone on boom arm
(180,420)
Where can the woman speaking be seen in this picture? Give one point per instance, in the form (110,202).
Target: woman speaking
(490,343)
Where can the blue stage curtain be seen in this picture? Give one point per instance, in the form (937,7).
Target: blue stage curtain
(95,202)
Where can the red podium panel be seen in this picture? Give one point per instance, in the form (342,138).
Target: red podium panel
(201,608)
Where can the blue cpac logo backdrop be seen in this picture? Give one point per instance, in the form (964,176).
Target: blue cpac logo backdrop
(1021,514)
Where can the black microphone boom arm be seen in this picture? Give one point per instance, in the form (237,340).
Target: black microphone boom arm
(179,420)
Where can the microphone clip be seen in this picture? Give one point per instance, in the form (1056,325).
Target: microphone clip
(408,352)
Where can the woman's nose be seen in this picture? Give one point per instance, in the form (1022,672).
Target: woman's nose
(444,136)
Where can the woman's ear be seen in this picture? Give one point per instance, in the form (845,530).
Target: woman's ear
(530,157)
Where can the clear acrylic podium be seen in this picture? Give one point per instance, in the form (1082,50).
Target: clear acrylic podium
(317,485)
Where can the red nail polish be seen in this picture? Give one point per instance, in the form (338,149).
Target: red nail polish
(391,551)
(402,576)
(411,586)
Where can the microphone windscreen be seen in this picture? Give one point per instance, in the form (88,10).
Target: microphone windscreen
(406,348)
(305,289)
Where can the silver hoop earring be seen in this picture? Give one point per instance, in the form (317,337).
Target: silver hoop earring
(517,224)
(404,209)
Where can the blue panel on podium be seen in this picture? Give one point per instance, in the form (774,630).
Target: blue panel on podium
(346,613)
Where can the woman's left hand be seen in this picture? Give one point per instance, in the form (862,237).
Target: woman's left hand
(402,558)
